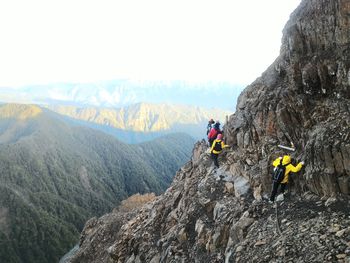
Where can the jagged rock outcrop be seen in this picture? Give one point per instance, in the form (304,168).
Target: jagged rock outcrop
(219,215)
(210,215)
(303,97)
(99,234)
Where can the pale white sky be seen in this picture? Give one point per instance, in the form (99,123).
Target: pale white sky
(45,41)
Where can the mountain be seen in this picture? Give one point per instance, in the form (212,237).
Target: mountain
(55,175)
(145,121)
(122,93)
(222,215)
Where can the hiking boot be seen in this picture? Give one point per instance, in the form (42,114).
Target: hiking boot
(280,198)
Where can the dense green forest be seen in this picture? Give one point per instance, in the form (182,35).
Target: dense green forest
(54,176)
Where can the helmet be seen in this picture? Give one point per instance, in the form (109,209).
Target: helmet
(219,137)
(286,159)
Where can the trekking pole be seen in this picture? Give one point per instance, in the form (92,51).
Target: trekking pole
(277,221)
(291,148)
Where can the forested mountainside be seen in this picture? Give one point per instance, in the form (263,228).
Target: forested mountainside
(55,176)
(222,215)
(144,121)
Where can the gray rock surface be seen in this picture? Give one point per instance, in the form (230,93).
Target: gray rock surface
(198,220)
(302,98)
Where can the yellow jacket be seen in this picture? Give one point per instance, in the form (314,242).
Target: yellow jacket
(289,168)
(223,145)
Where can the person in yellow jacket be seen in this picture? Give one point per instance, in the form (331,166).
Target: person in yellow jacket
(283,166)
(216,149)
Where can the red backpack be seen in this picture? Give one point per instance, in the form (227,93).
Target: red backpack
(213,133)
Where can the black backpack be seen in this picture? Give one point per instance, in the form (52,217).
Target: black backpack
(279,172)
(209,126)
(217,146)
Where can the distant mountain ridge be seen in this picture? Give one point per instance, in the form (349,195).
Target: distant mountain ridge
(19,111)
(148,118)
(121,93)
(55,175)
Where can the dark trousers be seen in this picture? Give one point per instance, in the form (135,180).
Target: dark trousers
(214,156)
(275,188)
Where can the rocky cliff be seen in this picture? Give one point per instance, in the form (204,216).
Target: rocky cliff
(220,215)
(210,215)
(303,97)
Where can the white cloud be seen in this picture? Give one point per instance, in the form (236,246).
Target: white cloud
(49,41)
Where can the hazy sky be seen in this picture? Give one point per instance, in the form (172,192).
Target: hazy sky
(45,41)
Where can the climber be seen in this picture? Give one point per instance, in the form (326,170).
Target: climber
(214,133)
(216,148)
(210,125)
(283,167)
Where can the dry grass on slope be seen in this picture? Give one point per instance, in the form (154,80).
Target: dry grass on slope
(136,201)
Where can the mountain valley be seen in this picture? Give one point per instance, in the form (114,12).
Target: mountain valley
(55,175)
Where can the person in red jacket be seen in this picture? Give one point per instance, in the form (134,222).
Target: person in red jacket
(214,133)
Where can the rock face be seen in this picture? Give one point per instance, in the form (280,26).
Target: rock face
(210,215)
(99,234)
(220,215)
(303,97)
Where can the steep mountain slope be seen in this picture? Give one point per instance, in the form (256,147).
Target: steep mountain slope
(144,121)
(221,215)
(302,98)
(203,218)
(54,176)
